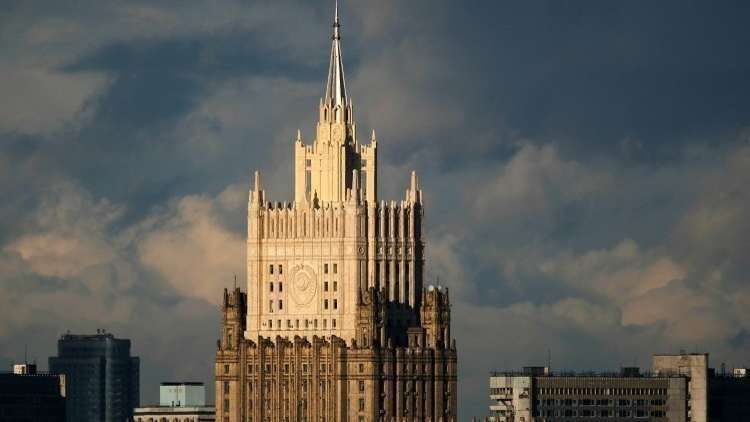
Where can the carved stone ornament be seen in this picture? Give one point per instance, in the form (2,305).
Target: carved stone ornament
(304,285)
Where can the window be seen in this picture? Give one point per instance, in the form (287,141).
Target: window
(325,286)
(335,286)
(325,268)
(335,304)
(270,269)
(226,369)
(270,306)
(335,268)
(361,368)
(325,304)
(281,304)
(333,323)
(226,387)
(281,286)
(270,286)
(325,323)
(281,269)
(361,405)
(270,323)
(361,386)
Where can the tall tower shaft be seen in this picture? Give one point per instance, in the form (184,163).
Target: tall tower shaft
(335,324)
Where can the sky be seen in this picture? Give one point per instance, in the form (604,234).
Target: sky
(584,165)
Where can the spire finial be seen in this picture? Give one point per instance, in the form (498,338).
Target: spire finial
(335,86)
(336,23)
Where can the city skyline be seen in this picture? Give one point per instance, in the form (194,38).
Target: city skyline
(583,167)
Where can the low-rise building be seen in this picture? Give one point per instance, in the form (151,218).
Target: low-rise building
(178,402)
(675,391)
(680,387)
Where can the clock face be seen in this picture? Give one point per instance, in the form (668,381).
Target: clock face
(304,285)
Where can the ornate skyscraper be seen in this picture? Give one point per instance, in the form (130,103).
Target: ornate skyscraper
(336,324)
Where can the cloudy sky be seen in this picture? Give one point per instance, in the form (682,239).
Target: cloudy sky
(585,167)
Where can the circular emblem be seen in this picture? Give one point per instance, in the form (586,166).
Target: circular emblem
(303,285)
(361,250)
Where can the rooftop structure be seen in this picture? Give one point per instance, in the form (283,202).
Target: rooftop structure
(182,394)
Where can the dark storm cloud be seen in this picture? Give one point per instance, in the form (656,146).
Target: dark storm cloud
(599,150)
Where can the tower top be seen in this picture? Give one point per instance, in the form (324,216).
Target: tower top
(336,86)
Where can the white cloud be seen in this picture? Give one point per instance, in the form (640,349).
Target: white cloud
(534,183)
(192,250)
(68,234)
(619,274)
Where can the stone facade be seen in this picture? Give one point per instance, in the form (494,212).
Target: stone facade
(336,324)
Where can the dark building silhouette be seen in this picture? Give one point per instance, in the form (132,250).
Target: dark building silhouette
(729,396)
(102,377)
(30,396)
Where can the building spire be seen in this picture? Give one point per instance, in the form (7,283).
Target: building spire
(335,86)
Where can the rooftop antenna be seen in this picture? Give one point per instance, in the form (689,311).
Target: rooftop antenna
(235,281)
(549,360)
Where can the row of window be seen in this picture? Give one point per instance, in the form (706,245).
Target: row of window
(604,413)
(268,368)
(295,324)
(279,268)
(163,419)
(334,303)
(605,391)
(280,286)
(600,402)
